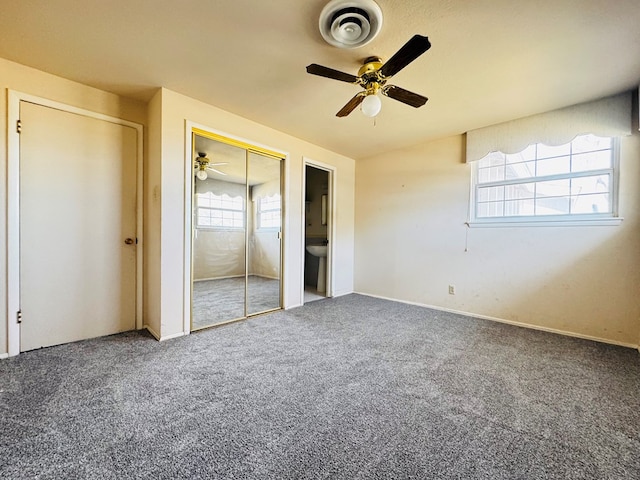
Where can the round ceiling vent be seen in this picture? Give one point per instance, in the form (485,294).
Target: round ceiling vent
(350,23)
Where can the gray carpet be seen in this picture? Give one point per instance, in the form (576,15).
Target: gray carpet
(346,388)
(216,301)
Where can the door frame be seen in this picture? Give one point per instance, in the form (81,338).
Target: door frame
(191,128)
(331,221)
(13,206)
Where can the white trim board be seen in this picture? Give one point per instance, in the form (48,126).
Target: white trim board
(13,205)
(160,338)
(508,322)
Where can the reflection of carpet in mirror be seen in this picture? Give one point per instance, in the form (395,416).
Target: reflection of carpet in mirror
(216,301)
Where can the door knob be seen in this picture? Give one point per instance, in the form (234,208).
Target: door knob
(129,241)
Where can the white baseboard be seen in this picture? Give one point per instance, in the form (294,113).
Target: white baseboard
(510,322)
(175,335)
(343,293)
(166,337)
(3,356)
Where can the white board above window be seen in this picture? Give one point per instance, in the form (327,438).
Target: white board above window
(607,117)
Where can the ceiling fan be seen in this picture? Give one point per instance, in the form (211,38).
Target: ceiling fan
(202,164)
(373,76)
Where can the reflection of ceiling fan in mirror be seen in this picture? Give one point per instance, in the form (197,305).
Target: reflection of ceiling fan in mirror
(202,165)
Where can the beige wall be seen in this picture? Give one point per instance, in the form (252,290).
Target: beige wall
(175,111)
(28,80)
(411,206)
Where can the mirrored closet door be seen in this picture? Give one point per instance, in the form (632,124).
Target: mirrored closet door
(236,231)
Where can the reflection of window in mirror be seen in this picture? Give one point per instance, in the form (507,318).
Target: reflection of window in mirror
(219,211)
(324,209)
(269,212)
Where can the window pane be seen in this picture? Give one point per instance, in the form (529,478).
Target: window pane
(554,188)
(270,219)
(547,151)
(589,185)
(589,143)
(591,161)
(491,209)
(554,166)
(552,205)
(520,191)
(487,194)
(524,207)
(493,159)
(521,170)
(203,200)
(492,174)
(594,203)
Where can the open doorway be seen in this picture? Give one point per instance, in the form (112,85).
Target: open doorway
(317,232)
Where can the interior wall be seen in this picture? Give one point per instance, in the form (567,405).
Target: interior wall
(412,243)
(23,79)
(176,110)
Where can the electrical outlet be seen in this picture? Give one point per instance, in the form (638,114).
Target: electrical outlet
(452,289)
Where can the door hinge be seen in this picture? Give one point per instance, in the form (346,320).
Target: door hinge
(19,316)
(19,126)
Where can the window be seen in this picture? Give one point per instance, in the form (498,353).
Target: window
(219,211)
(543,183)
(269,212)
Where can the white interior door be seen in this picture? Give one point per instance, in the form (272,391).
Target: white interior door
(77,209)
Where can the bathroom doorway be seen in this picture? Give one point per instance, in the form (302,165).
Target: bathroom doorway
(318,231)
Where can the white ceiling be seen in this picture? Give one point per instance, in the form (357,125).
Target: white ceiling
(490,60)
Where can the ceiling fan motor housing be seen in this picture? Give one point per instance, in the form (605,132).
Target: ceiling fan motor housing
(350,23)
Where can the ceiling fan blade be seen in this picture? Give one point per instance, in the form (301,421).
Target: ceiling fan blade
(404,96)
(407,54)
(351,105)
(315,69)
(215,170)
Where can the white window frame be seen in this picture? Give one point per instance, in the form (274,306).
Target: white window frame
(199,226)
(608,218)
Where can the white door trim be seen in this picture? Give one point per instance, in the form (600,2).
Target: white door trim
(331,230)
(13,206)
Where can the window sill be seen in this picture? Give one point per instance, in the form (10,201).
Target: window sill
(597,222)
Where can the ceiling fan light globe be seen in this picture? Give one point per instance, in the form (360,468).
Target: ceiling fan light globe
(202,175)
(371,105)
